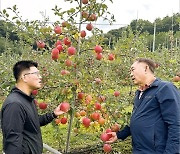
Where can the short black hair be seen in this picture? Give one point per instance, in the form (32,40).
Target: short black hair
(149,62)
(20,66)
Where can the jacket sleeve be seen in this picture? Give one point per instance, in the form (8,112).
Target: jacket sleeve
(169,98)
(13,119)
(46,118)
(123,134)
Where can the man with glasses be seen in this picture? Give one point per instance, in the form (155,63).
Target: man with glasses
(19,117)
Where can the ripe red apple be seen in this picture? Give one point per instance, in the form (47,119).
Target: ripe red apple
(83,33)
(40,44)
(95,116)
(58,42)
(67,41)
(86,121)
(104,137)
(98,49)
(89,27)
(57,29)
(99,56)
(111,56)
(116,93)
(65,106)
(35,92)
(63,120)
(89,98)
(97,106)
(84,1)
(115,127)
(71,51)
(55,54)
(107,148)
(93,17)
(68,62)
(59,47)
(80,95)
(42,105)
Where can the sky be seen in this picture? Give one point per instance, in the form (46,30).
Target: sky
(124,10)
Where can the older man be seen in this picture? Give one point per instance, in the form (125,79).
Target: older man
(155,121)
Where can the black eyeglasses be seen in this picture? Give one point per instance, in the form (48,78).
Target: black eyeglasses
(36,73)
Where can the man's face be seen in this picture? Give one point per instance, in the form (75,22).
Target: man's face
(33,78)
(138,70)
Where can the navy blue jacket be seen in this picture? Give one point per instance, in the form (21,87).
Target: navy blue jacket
(155,121)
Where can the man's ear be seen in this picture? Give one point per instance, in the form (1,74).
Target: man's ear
(23,78)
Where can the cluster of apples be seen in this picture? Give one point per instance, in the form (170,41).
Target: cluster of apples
(105,136)
(98,49)
(64,106)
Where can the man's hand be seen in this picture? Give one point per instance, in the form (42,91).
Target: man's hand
(57,111)
(113,138)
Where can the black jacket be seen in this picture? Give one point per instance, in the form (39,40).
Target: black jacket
(21,123)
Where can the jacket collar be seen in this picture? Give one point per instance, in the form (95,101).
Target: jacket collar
(15,89)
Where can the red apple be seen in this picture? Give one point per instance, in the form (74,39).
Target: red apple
(86,121)
(64,106)
(80,95)
(116,93)
(97,106)
(104,137)
(58,42)
(42,105)
(84,1)
(35,92)
(83,33)
(111,56)
(63,120)
(99,56)
(40,44)
(89,27)
(59,47)
(71,51)
(57,29)
(55,54)
(98,49)
(107,148)
(95,116)
(67,41)
(68,62)
(93,17)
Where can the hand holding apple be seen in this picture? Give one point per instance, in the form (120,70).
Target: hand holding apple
(113,137)
(57,111)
